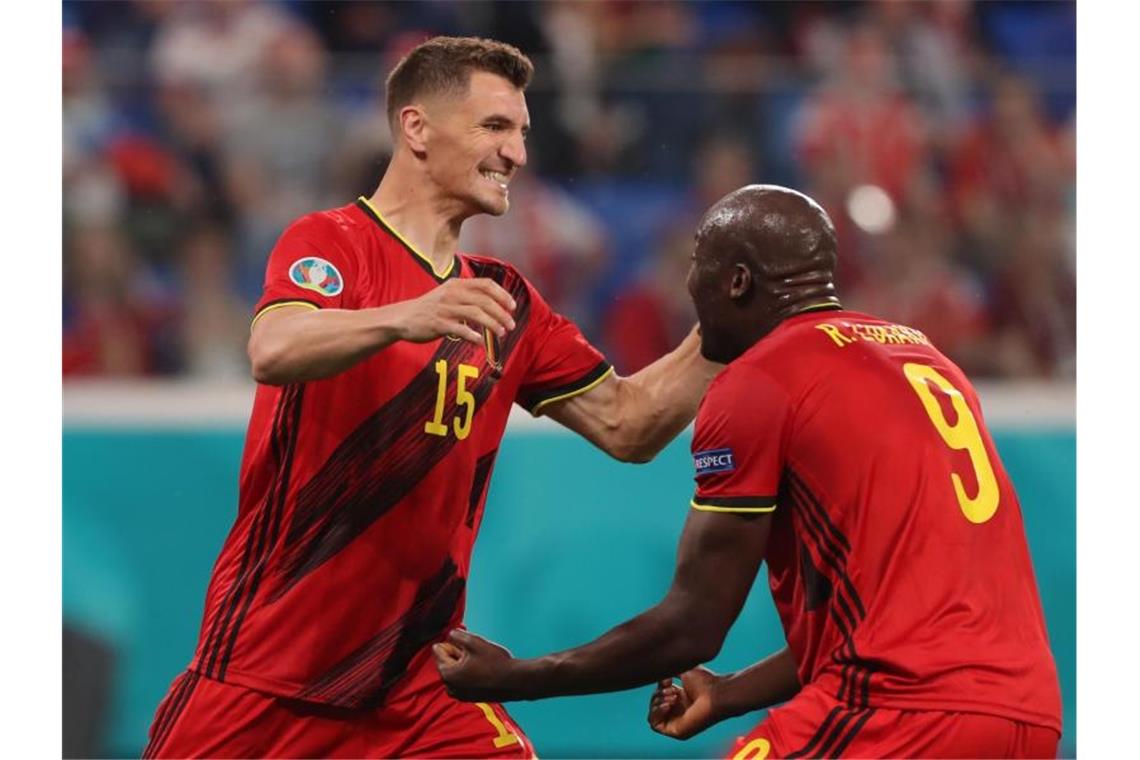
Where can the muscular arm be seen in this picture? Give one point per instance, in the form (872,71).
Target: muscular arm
(296,343)
(717,561)
(633,418)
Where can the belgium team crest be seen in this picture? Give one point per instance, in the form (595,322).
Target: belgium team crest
(313,273)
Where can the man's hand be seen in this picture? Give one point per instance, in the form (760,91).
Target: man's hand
(474,669)
(458,307)
(685,710)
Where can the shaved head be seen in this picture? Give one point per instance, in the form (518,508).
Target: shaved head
(764,253)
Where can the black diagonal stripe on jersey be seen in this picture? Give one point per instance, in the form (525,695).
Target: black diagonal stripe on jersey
(836,732)
(512,282)
(834,556)
(815,507)
(365,676)
(840,611)
(178,702)
(255,539)
(384,458)
(837,750)
(817,586)
(850,656)
(855,668)
(225,611)
(818,517)
(818,735)
(163,714)
(273,520)
(832,530)
(479,485)
(419,630)
(828,525)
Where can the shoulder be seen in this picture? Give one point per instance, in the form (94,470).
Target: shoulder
(755,380)
(339,223)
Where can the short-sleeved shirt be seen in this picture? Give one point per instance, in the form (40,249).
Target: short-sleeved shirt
(897,557)
(360,495)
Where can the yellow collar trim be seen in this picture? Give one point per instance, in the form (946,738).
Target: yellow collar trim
(426,259)
(836,306)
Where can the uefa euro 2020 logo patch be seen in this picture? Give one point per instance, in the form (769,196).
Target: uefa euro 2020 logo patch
(313,273)
(713,460)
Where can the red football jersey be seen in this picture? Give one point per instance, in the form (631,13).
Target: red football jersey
(897,558)
(360,495)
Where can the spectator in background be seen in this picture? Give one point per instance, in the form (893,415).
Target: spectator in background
(927,288)
(736,45)
(249,117)
(214,327)
(858,128)
(638,128)
(571,30)
(1012,163)
(1034,303)
(656,310)
(217,45)
(189,123)
(278,153)
(115,322)
(933,44)
(89,116)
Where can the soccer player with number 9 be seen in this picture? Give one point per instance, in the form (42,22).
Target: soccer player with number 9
(852,456)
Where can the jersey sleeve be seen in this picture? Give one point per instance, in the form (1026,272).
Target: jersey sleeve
(739,443)
(563,363)
(309,266)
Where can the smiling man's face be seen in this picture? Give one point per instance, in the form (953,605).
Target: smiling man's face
(477,143)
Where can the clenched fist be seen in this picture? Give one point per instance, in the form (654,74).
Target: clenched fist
(685,710)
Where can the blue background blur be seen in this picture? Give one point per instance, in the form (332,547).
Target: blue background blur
(572,544)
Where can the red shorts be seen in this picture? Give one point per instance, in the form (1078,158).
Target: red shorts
(201,717)
(814,724)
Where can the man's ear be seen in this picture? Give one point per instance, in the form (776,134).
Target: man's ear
(412,123)
(741,282)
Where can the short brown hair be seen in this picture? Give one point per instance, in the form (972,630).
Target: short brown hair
(444,64)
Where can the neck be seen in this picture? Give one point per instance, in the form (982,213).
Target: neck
(759,328)
(817,304)
(411,203)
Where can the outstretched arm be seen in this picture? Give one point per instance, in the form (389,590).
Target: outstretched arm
(717,561)
(296,343)
(633,418)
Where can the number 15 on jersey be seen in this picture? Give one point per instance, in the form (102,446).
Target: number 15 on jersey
(463,397)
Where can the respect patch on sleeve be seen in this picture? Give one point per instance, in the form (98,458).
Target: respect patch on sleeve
(713,460)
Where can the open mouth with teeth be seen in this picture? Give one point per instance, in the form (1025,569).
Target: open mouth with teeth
(498,178)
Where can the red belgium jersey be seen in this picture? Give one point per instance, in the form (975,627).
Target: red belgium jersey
(897,558)
(360,495)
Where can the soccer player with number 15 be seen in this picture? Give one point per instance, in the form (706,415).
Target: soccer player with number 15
(388,364)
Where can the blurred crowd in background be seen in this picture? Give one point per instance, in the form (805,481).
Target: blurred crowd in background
(939,135)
